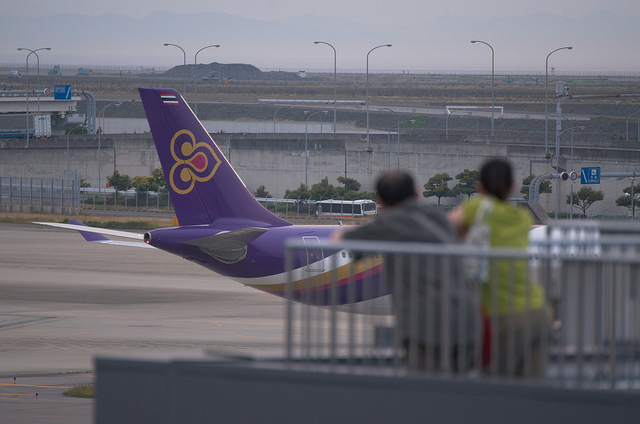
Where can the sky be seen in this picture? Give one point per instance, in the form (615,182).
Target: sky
(426,35)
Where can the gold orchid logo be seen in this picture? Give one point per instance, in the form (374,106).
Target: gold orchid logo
(194,162)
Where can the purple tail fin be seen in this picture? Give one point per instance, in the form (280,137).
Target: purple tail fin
(203,185)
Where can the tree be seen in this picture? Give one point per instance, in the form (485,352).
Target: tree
(584,198)
(119,182)
(545,186)
(144,183)
(262,192)
(625,200)
(437,186)
(349,184)
(357,195)
(158,176)
(322,190)
(468,181)
(301,192)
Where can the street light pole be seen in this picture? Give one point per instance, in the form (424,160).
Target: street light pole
(274,116)
(184,78)
(629,117)
(306,150)
(558,172)
(334,82)
(388,136)
(99,133)
(492,75)
(27,81)
(195,76)
(558,132)
(546,89)
(367,83)
(68,175)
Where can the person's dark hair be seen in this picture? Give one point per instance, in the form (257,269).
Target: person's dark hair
(395,187)
(496,177)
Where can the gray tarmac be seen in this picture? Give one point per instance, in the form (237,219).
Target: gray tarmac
(64,301)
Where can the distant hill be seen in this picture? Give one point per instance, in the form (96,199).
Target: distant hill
(235,71)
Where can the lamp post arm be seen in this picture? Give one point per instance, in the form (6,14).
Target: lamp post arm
(546,90)
(195,76)
(367,90)
(334,82)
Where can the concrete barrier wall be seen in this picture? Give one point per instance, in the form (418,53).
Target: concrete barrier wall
(172,390)
(277,161)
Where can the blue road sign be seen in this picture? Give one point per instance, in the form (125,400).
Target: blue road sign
(590,175)
(62,92)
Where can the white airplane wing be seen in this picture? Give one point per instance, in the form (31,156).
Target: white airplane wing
(97,235)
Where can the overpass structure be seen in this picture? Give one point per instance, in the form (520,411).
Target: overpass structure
(15,101)
(59,112)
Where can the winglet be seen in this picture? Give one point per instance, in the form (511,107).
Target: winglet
(86,234)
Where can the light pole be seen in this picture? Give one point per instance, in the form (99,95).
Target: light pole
(184,78)
(546,89)
(558,132)
(99,133)
(27,81)
(492,75)
(195,76)
(70,130)
(558,171)
(629,117)
(388,137)
(274,116)
(306,150)
(334,82)
(367,83)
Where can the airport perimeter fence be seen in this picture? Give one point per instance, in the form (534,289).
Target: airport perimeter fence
(590,272)
(68,196)
(62,195)
(39,194)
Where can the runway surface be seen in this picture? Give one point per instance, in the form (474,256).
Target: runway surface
(64,301)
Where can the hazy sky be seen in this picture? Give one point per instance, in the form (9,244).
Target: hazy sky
(380,11)
(430,35)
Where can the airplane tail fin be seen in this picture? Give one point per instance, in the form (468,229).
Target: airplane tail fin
(203,185)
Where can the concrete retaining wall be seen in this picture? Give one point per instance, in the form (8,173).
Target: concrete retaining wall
(277,161)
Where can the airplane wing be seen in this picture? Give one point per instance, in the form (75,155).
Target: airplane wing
(97,235)
(229,246)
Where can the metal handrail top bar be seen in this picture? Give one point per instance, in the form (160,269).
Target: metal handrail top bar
(457,249)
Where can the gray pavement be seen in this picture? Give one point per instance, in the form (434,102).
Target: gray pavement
(64,301)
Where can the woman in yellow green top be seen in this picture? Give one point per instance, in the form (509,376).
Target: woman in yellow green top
(509,295)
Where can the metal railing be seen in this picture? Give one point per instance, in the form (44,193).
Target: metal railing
(39,193)
(589,272)
(51,195)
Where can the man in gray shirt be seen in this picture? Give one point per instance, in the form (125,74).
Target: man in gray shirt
(416,281)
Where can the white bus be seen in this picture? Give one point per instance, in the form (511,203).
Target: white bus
(342,208)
